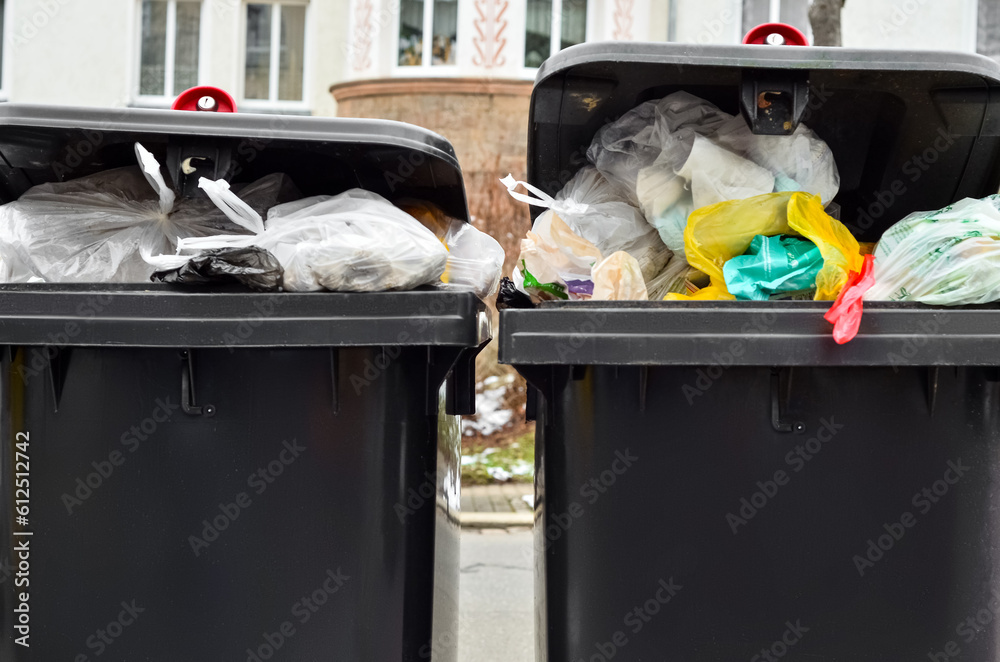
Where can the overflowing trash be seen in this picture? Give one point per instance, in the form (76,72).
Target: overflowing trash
(718,233)
(948,257)
(128,226)
(356,241)
(777,265)
(253,267)
(475,259)
(618,277)
(681,153)
(681,201)
(105,228)
(651,173)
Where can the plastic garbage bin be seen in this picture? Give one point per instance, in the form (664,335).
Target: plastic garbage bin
(720,480)
(221,474)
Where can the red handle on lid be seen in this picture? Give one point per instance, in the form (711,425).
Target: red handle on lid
(783,35)
(205,99)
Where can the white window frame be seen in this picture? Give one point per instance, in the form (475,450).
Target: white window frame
(556,36)
(165,100)
(8,52)
(426,68)
(273,103)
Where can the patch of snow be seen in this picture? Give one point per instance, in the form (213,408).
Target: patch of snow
(490,415)
(499,473)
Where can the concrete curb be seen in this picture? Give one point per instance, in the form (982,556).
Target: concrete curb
(476,520)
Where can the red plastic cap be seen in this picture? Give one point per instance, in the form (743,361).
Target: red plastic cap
(216,100)
(790,35)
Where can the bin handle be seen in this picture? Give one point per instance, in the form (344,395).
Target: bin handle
(776,34)
(187,388)
(205,98)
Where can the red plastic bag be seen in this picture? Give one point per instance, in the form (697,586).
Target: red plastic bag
(845,313)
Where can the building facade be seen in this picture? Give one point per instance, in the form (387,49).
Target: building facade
(284,55)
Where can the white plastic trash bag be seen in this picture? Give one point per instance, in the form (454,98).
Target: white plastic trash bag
(475,259)
(555,262)
(595,209)
(104,227)
(948,257)
(680,153)
(356,241)
(618,278)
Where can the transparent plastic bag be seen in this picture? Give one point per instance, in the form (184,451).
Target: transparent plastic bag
(949,257)
(105,227)
(475,259)
(678,277)
(356,241)
(681,153)
(555,262)
(719,232)
(618,278)
(595,210)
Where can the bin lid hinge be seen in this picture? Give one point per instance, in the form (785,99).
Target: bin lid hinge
(774,101)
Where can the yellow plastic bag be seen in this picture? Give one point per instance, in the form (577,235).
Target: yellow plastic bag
(719,232)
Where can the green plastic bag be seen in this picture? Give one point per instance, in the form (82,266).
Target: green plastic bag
(773,265)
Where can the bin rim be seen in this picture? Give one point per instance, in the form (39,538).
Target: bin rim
(758,56)
(234,125)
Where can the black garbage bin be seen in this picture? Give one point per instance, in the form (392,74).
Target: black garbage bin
(220,474)
(720,480)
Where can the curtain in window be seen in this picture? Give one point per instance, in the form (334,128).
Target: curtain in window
(538,32)
(411,32)
(258,63)
(988,30)
(574,23)
(445,31)
(291,66)
(153,68)
(186,46)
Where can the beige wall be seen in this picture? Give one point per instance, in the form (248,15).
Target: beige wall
(85,52)
(911,24)
(69,51)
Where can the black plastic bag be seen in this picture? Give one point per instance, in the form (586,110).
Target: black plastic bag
(511,297)
(254,267)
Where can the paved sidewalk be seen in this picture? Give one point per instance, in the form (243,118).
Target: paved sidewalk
(498,506)
(502,498)
(497,614)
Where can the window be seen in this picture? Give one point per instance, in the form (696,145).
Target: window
(275,52)
(792,12)
(3,48)
(988,29)
(552,25)
(170,32)
(438,18)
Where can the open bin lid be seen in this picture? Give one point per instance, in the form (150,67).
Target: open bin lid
(909,131)
(41,144)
